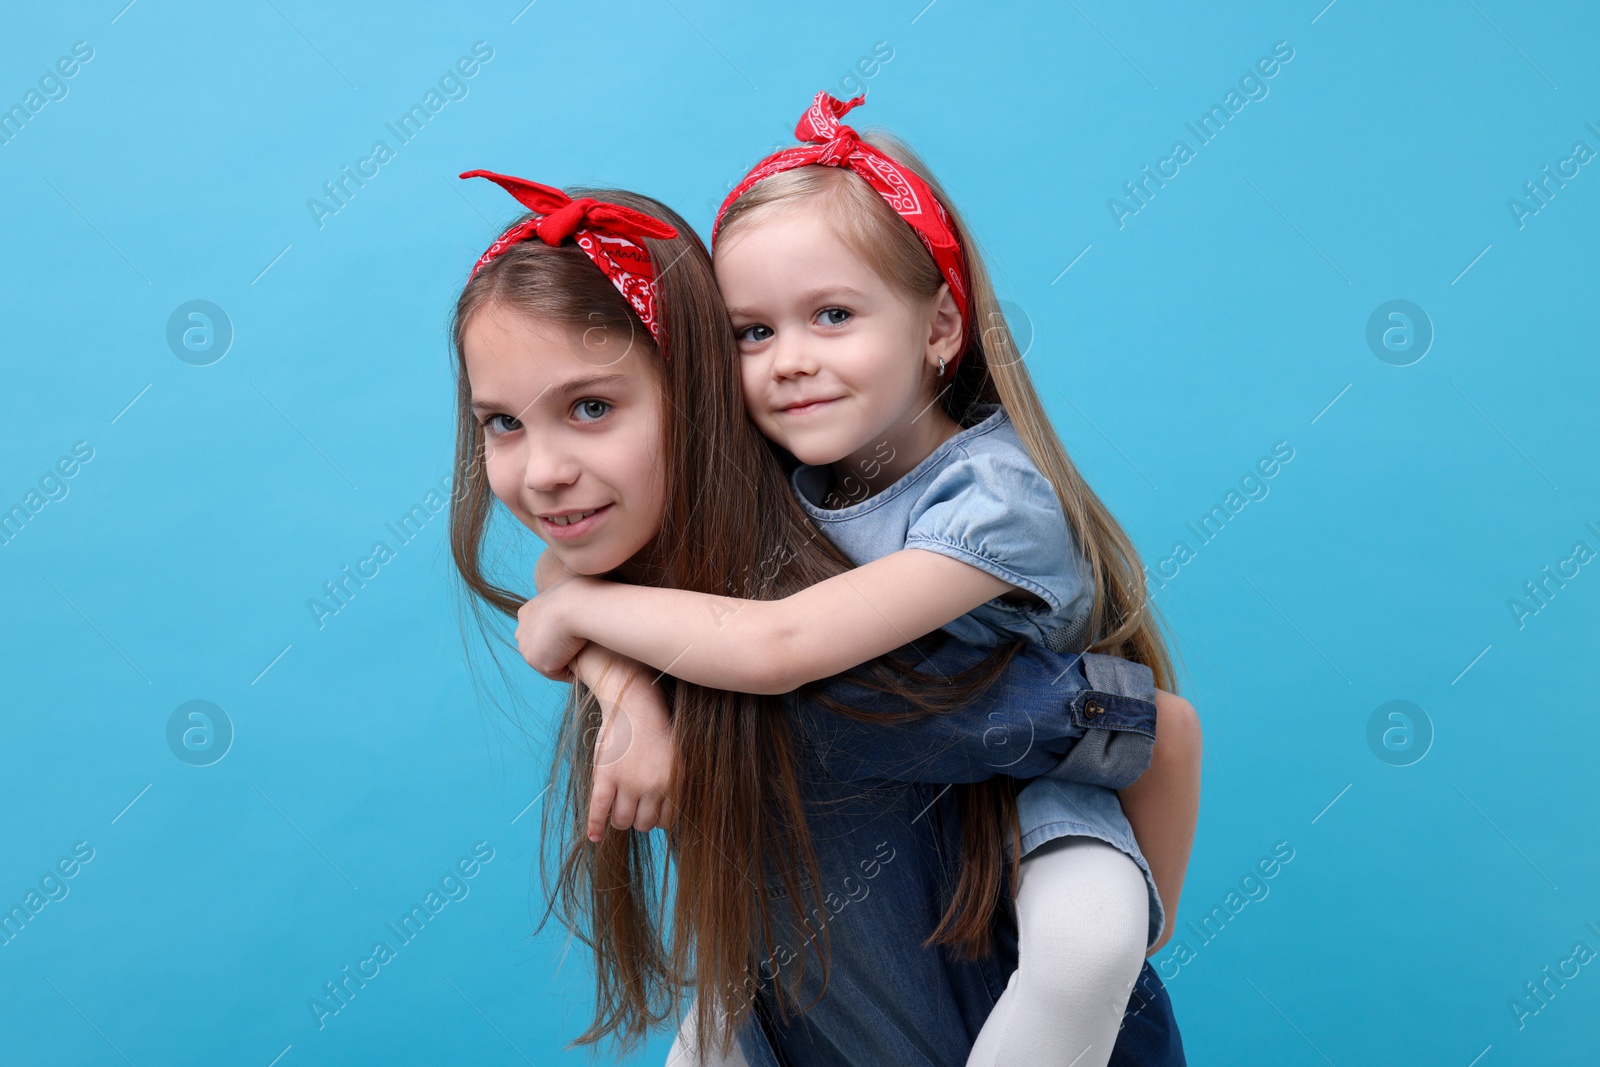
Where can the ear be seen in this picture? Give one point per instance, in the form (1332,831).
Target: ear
(946,330)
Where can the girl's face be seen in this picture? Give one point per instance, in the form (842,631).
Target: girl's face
(572,435)
(834,361)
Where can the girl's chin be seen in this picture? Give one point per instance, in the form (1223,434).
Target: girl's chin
(814,453)
(595,560)
(815,448)
(589,561)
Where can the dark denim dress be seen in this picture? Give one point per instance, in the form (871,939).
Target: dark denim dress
(888,839)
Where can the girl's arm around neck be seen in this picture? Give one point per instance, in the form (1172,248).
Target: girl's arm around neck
(760,646)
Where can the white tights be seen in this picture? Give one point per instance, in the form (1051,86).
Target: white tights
(684,1047)
(1082,919)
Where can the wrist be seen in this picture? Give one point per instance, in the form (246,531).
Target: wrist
(607,674)
(598,670)
(570,601)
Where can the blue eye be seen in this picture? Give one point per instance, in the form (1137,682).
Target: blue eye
(488,425)
(588,407)
(753,334)
(833,316)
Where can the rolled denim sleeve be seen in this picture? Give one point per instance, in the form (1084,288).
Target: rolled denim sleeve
(1087,717)
(1119,737)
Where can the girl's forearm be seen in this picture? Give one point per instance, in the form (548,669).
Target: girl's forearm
(707,640)
(775,646)
(604,673)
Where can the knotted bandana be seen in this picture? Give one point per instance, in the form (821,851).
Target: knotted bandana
(609,234)
(834,145)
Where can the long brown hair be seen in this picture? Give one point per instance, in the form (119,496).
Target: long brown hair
(730,526)
(1123,621)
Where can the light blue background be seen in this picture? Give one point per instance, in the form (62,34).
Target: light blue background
(1227,315)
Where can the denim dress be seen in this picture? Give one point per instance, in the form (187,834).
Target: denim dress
(887,835)
(979,498)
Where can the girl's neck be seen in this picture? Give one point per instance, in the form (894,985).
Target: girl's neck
(880,463)
(646,567)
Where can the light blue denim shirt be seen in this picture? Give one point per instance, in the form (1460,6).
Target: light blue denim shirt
(979,498)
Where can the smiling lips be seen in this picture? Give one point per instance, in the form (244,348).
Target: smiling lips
(570,517)
(805,407)
(570,524)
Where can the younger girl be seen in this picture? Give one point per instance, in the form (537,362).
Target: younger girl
(873,352)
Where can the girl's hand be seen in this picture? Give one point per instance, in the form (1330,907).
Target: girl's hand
(634,757)
(544,633)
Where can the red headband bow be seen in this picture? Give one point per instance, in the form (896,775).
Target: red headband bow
(835,145)
(609,234)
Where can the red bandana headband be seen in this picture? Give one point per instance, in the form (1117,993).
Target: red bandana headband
(609,234)
(834,145)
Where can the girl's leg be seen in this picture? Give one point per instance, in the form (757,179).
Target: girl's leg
(1163,806)
(683,1053)
(1083,914)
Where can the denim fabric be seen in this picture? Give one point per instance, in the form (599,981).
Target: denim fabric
(888,838)
(1118,733)
(1084,717)
(1071,798)
(979,498)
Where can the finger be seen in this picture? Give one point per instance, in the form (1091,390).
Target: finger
(555,674)
(623,810)
(644,819)
(668,814)
(599,807)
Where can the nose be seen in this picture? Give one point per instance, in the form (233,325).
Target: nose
(549,465)
(792,356)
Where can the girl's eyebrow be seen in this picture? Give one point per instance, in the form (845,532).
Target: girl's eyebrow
(565,389)
(810,296)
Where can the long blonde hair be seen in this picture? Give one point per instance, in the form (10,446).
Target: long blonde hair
(1123,622)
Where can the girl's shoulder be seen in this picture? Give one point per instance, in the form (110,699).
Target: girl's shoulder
(991,507)
(989,499)
(989,455)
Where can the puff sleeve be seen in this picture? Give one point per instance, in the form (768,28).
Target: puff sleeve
(994,510)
